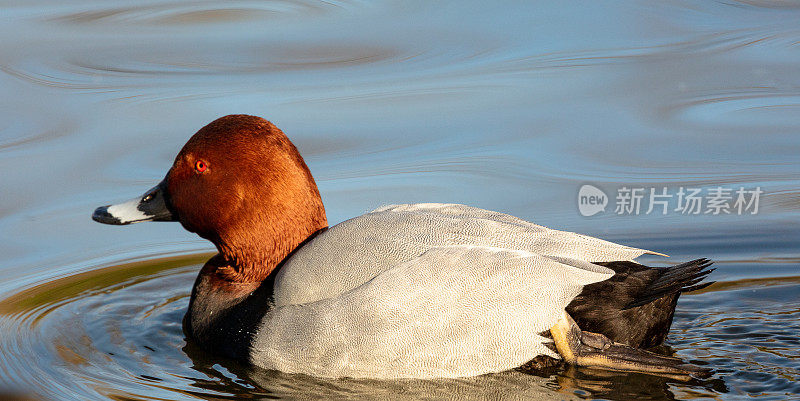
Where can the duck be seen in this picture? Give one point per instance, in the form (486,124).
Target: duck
(426,290)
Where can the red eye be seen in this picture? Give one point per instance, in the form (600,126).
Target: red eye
(200,166)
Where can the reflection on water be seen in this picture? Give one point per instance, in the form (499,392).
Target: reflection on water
(509,106)
(208,13)
(116,332)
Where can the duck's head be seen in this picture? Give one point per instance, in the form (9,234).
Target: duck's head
(240,183)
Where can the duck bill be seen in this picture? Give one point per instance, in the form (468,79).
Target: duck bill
(152,206)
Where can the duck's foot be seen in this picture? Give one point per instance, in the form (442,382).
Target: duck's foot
(583,348)
(542,365)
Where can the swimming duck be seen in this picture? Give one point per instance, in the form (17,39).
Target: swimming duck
(404,291)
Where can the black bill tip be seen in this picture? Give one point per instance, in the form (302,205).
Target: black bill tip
(101,215)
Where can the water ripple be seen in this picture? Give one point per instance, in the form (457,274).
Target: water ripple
(14,134)
(176,14)
(398,58)
(741,109)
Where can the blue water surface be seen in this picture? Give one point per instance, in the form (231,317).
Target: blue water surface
(510,106)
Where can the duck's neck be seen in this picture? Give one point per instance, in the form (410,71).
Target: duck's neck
(232,294)
(253,248)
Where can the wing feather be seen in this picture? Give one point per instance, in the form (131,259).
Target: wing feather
(353,252)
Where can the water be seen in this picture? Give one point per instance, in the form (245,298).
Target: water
(509,107)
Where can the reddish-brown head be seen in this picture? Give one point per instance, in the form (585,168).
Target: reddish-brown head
(240,183)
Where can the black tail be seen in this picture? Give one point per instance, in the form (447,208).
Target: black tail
(636,305)
(677,279)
